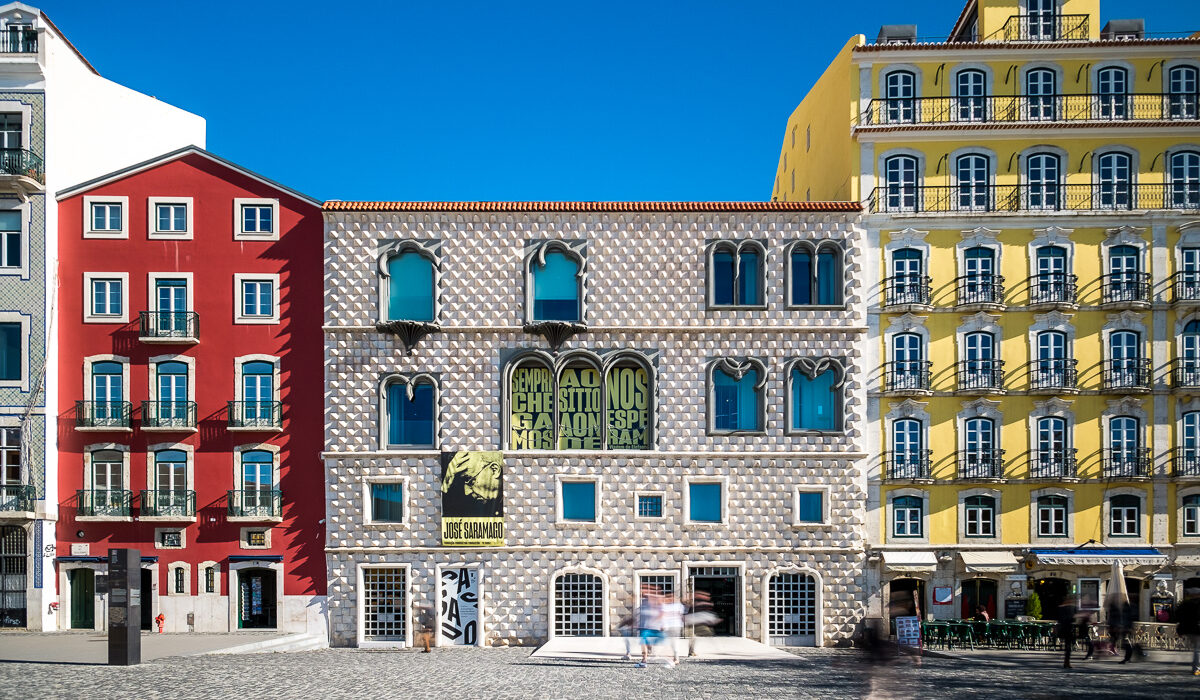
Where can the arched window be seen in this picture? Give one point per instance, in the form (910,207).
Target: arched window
(410,287)
(820,284)
(1053,369)
(1191,515)
(980,284)
(410,405)
(1041,20)
(900,181)
(1185,180)
(973,191)
(1125,362)
(1112,87)
(258,391)
(970,89)
(1188,365)
(556,287)
(900,88)
(909,456)
(908,284)
(816,397)
(1124,438)
(1114,181)
(1053,281)
(1053,457)
(1125,516)
(1041,91)
(1183,88)
(1125,280)
(171,495)
(1042,173)
(980,441)
(980,514)
(173,406)
(737,398)
(909,370)
(980,368)
(210,579)
(1052,516)
(257,495)
(907,516)
(108,394)
(736,276)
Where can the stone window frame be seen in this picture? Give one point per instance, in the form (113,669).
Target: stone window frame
(1043,149)
(906,324)
(686,513)
(368,519)
(160,531)
(597,481)
(431,250)
(1131,236)
(88,315)
(892,495)
(239,364)
(411,381)
(965,66)
(736,368)
(244,537)
(910,68)
(89,480)
(639,574)
(201,574)
(979,322)
(239,317)
(826,496)
(1180,534)
(1184,407)
(662,495)
(23,207)
(902,240)
(1132,153)
(603,362)
(907,409)
(152,393)
(812,368)
(980,236)
(605,592)
(174,567)
(818,598)
(360,598)
(981,407)
(1053,407)
(883,185)
(88,377)
(1130,76)
(89,232)
(24,321)
(152,279)
(815,247)
(1056,68)
(236,458)
(1034,532)
(1168,155)
(240,234)
(189,452)
(1125,407)
(152,232)
(1052,321)
(1051,236)
(735,247)
(997,496)
(535,253)
(1143,534)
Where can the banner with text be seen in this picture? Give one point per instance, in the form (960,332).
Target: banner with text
(580,420)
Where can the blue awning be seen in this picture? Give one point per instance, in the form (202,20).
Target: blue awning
(251,557)
(1100,556)
(89,560)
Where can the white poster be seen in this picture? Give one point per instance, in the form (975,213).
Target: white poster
(460,607)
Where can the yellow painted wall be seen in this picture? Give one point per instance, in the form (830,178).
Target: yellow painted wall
(994,13)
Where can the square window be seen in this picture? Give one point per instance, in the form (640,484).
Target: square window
(170,538)
(108,297)
(387,503)
(579,501)
(258,298)
(171,218)
(256,538)
(649,505)
(107,216)
(258,218)
(704,502)
(810,507)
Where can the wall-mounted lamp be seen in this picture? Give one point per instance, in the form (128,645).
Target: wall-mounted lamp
(79,534)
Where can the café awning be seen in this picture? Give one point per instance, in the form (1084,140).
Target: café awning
(910,562)
(1099,556)
(989,562)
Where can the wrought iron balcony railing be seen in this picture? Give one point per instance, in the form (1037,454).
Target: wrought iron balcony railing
(1185,461)
(1134,463)
(1053,288)
(903,290)
(103,414)
(1050,27)
(262,415)
(907,465)
(18,498)
(104,502)
(1185,373)
(1186,286)
(980,464)
(1058,375)
(1008,109)
(907,375)
(161,503)
(18,40)
(255,503)
(980,375)
(1052,464)
(169,414)
(1133,373)
(980,289)
(1125,288)
(22,163)
(1038,197)
(169,325)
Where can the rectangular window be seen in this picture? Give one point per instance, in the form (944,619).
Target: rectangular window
(10,455)
(257,218)
(258,298)
(170,538)
(649,506)
(1089,594)
(1052,521)
(210,579)
(387,503)
(906,515)
(171,218)
(106,216)
(980,521)
(704,502)
(180,580)
(10,352)
(1124,521)
(108,297)
(256,538)
(1191,517)
(10,239)
(579,501)
(810,507)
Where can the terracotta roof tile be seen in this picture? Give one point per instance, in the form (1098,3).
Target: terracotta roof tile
(1025,45)
(984,126)
(339,205)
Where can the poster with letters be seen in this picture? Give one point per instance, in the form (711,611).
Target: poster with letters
(460,607)
(472,499)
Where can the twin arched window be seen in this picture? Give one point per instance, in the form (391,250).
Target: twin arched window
(737,273)
(816,274)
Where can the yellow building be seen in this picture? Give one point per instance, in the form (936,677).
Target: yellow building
(1032,192)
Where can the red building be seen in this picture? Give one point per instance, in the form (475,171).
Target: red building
(190,375)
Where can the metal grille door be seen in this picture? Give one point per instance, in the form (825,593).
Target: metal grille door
(12,577)
(578,606)
(384,605)
(792,610)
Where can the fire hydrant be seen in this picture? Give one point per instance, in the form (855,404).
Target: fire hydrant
(161,619)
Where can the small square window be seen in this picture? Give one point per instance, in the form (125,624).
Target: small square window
(256,538)
(108,297)
(579,501)
(810,507)
(171,218)
(258,298)
(170,538)
(649,505)
(107,216)
(257,218)
(387,503)
(704,502)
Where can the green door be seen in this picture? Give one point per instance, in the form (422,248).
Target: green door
(83,599)
(256,599)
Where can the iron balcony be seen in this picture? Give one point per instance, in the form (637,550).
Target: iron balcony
(1186,287)
(907,376)
(169,327)
(103,415)
(18,40)
(169,415)
(1126,289)
(255,503)
(908,290)
(984,376)
(255,415)
(22,163)
(1053,375)
(1127,375)
(17,498)
(1127,464)
(1008,109)
(980,464)
(1054,464)
(1033,197)
(168,503)
(104,502)
(1185,462)
(1053,289)
(1053,27)
(907,465)
(982,290)
(1185,373)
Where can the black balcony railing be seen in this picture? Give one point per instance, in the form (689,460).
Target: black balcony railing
(23,163)
(1052,288)
(1185,373)
(1125,288)
(18,40)
(165,325)
(906,375)
(980,375)
(1185,461)
(1133,373)
(1186,286)
(103,414)
(1054,464)
(266,415)
(908,289)
(110,502)
(255,503)
(168,503)
(980,289)
(169,414)
(1038,197)
(1060,374)
(1048,27)
(17,498)
(907,465)
(980,464)
(1008,109)
(1132,463)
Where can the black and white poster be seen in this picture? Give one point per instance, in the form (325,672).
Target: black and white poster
(460,607)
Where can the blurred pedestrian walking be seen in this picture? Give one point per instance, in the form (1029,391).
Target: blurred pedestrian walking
(1187,617)
(1066,627)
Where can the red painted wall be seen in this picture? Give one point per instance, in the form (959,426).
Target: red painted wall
(213,256)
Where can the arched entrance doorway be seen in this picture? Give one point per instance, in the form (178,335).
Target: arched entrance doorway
(256,599)
(1052,592)
(12,577)
(903,595)
(792,609)
(976,592)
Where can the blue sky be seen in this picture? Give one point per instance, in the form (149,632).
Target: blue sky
(500,100)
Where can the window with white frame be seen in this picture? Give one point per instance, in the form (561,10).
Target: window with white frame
(12,360)
(1185,180)
(1191,515)
(900,184)
(579,500)
(705,502)
(1183,92)
(907,516)
(10,457)
(384,604)
(107,216)
(649,505)
(980,512)
(258,298)
(108,297)
(1125,514)
(1187,458)
(810,507)
(11,238)
(170,217)
(387,501)
(1052,516)
(210,578)
(255,219)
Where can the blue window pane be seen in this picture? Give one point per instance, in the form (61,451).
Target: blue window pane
(828,282)
(579,500)
(809,508)
(410,422)
(556,289)
(387,503)
(814,401)
(749,291)
(736,401)
(801,278)
(651,506)
(722,278)
(410,288)
(704,503)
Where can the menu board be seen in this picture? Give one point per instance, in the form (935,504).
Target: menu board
(908,631)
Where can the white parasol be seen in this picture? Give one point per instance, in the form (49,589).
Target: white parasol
(1118,594)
